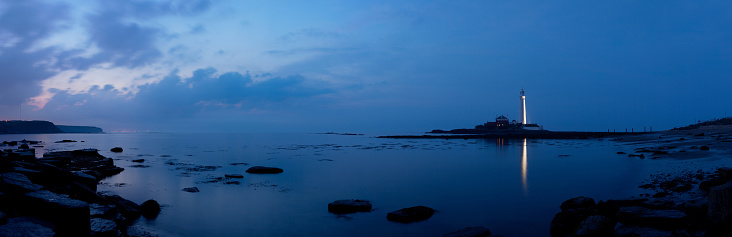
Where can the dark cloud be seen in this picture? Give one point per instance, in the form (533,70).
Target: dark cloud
(175,98)
(24,23)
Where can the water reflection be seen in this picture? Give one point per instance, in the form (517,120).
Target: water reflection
(523,170)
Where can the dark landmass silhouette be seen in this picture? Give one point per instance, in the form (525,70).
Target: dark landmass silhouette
(42,127)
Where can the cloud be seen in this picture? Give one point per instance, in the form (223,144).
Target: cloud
(175,98)
(23,24)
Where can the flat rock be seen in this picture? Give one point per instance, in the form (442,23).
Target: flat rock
(71,216)
(127,208)
(17,183)
(103,227)
(411,214)
(637,231)
(578,202)
(661,219)
(349,206)
(23,227)
(476,231)
(234,176)
(720,204)
(595,226)
(264,170)
(191,190)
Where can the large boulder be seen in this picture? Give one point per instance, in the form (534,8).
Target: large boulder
(476,231)
(264,170)
(411,214)
(23,226)
(720,204)
(150,208)
(578,202)
(17,183)
(349,206)
(595,226)
(661,219)
(116,149)
(71,216)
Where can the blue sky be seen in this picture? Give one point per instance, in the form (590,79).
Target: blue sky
(370,66)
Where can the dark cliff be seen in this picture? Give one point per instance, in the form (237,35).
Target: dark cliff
(27,127)
(79,129)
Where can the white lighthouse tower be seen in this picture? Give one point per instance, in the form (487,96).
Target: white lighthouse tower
(523,107)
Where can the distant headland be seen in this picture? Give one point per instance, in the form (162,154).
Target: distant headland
(42,127)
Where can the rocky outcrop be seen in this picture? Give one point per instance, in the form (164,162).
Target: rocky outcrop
(411,214)
(578,202)
(264,170)
(70,215)
(17,183)
(720,204)
(476,231)
(349,206)
(596,225)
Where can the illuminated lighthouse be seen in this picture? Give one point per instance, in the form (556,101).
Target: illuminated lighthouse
(523,108)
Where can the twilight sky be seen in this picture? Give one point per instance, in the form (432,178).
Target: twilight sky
(364,66)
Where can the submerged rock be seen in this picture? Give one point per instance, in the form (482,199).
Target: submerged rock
(349,206)
(191,190)
(138,160)
(476,231)
(264,170)
(411,214)
(234,176)
(150,208)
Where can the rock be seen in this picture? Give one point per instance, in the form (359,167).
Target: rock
(150,208)
(707,184)
(661,219)
(720,204)
(191,190)
(99,210)
(636,231)
(566,222)
(3,218)
(621,153)
(116,149)
(704,148)
(349,206)
(610,207)
(127,208)
(85,179)
(476,231)
(17,183)
(22,227)
(71,216)
(103,227)
(725,173)
(234,176)
(696,207)
(138,160)
(595,226)
(23,146)
(412,214)
(578,202)
(264,170)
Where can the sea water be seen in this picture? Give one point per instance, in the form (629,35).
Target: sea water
(511,186)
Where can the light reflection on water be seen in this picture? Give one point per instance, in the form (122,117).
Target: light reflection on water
(469,182)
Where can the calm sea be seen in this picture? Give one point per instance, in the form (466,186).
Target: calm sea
(512,187)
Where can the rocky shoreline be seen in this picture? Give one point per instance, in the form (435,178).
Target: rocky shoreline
(57,195)
(683,203)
